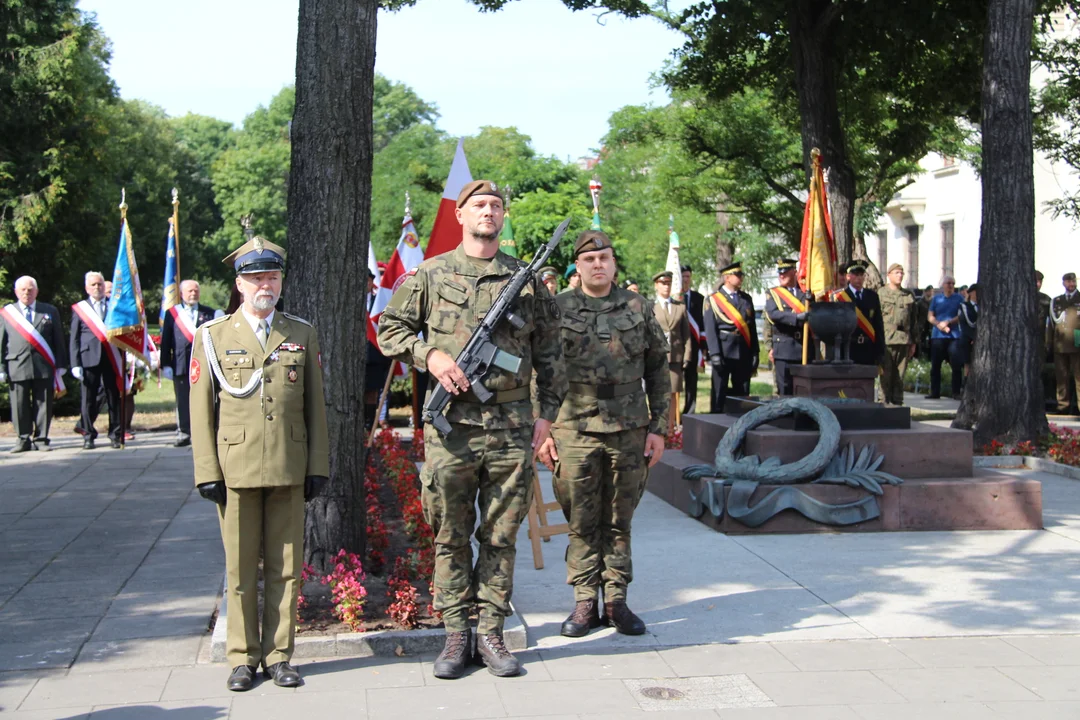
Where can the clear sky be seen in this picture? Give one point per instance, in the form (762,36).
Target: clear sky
(554,74)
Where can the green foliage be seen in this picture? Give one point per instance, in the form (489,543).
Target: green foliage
(1057,108)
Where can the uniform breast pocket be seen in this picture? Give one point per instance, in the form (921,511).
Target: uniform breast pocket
(292,365)
(630,331)
(446,315)
(574,332)
(237,369)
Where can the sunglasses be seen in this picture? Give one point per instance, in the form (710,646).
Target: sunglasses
(736,274)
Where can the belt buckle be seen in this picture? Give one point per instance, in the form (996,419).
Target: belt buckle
(604,336)
(861,340)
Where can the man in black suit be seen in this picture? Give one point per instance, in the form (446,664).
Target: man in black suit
(93,361)
(786,308)
(695,308)
(868,340)
(731,333)
(177,337)
(32,359)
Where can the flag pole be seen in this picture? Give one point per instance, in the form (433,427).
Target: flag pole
(379,407)
(176,232)
(123,354)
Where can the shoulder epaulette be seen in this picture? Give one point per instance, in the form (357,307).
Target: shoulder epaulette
(215,321)
(297,319)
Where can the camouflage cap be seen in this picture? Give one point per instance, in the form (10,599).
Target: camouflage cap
(255,256)
(590,241)
(477,187)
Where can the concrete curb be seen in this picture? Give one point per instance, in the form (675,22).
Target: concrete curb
(381,643)
(1032,463)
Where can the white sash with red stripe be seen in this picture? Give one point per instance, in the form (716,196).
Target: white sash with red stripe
(37,341)
(696,332)
(184,322)
(88,315)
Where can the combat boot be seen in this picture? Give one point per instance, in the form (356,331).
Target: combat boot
(491,650)
(586,617)
(620,617)
(450,665)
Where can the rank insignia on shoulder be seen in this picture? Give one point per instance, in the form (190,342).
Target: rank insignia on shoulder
(291,347)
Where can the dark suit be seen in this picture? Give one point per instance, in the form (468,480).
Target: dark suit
(176,355)
(787,337)
(695,306)
(729,354)
(30,374)
(865,351)
(85,351)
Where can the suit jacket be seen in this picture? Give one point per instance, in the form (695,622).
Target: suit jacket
(787,332)
(676,327)
(1065,313)
(726,344)
(865,351)
(175,348)
(19,359)
(275,436)
(695,305)
(85,349)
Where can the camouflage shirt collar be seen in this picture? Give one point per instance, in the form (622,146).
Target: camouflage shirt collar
(616,299)
(500,264)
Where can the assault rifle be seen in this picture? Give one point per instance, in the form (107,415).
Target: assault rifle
(480,353)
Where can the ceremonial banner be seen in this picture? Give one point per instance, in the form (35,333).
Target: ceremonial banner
(673,265)
(171,294)
(595,186)
(446,232)
(37,341)
(506,239)
(125,322)
(817,252)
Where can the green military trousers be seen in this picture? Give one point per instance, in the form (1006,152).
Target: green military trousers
(474,467)
(893,366)
(267,521)
(599,480)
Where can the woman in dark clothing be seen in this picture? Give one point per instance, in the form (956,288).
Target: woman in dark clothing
(969,318)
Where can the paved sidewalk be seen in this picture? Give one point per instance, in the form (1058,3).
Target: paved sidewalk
(903,625)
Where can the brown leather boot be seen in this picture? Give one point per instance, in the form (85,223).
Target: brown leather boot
(620,617)
(586,617)
(450,664)
(491,650)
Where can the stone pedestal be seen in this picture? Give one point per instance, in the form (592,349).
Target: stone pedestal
(833,380)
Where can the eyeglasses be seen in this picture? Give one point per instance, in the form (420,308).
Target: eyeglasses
(736,274)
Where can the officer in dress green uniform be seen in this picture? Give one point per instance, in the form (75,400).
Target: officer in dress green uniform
(487,458)
(606,437)
(1065,314)
(898,320)
(260,446)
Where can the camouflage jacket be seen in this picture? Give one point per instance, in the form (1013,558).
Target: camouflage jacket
(898,315)
(619,344)
(444,299)
(1065,312)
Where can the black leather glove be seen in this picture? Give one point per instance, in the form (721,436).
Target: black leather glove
(754,363)
(214,492)
(313,485)
(801,317)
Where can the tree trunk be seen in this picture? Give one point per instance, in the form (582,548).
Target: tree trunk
(1003,398)
(811,27)
(874,278)
(329,213)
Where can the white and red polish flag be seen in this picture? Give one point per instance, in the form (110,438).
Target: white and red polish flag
(406,257)
(446,232)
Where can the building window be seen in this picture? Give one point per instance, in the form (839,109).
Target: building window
(947,249)
(912,232)
(947,161)
(882,247)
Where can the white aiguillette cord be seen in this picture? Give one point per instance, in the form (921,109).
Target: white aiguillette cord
(211,357)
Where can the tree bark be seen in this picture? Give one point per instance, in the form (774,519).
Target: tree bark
(811,25)
(329,213)
(1003,398)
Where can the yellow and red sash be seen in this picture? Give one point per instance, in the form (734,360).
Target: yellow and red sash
(723,306)
(89,316)
(183,321)
(788,298)
(864,324)
(36,340)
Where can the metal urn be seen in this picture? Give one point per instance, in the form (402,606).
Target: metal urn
(834,323)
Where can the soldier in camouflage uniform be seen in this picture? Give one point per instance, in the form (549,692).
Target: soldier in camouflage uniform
(605,438)
(898,317)
(487,455)
(1065,314)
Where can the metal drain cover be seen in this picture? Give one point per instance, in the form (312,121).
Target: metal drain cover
(662,693)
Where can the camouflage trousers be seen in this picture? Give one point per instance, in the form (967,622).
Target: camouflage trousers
(893,366)
(599,480)
(474,467)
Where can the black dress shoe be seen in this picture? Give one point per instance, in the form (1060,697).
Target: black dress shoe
(932,397)
(88,443)
(183,442)
(241,679)
(283,674)
(115,444)
(42,444)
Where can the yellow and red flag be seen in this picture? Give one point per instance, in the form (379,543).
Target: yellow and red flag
(817,252)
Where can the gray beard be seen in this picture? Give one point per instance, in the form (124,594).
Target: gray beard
(263,303)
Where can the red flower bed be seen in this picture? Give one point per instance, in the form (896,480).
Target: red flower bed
(1061,445)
